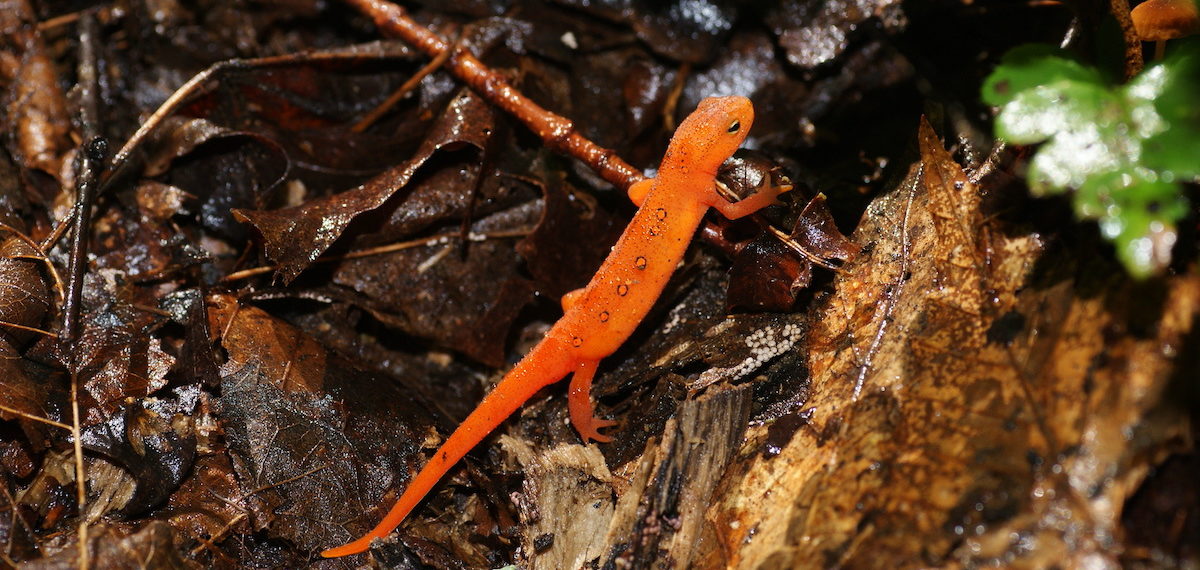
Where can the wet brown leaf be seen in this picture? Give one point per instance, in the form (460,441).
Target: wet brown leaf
(571,239)
(766,274)
(117,358)
(153,440)
(296,236)
(24,292)
(209,504)
(140,245)
(290,358)
(816,232)
(24,301)
(312,469)
(112,549)
(464,304)
(223,168)
(681,30)
(814,33)
(35,104)
(941,427)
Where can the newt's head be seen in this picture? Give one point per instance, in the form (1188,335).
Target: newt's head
(712,133)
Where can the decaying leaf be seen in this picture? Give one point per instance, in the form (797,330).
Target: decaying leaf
(278,350)
(113,549)
(119,359)
(458,300)
(35,105)
(570,240)
(24,302)
(311,467)
(965,403)
(210,504)
(221,167)
(154,441)
(296,236)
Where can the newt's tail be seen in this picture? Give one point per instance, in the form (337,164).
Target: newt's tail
(548,362)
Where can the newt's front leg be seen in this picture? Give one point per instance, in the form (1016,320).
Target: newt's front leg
(638,190)
(765,195)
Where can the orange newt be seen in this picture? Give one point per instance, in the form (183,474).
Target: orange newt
(599,317)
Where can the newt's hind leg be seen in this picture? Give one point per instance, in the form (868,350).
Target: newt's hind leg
(579,402)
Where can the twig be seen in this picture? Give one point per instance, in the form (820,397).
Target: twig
(1133,44)
(399,94)
(38,419)
(80,481)
(16,516)
(673,96)
(219,534)
(893,295)
(91,164)
(58,21)
(287,370)
(285,481)
(378,250)
(27,328)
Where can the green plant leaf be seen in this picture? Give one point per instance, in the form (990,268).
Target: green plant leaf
(1030,66)
(1121,152)
(1175,150)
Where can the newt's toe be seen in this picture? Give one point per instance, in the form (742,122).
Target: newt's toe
(591,432)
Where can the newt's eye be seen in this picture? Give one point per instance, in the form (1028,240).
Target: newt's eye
(735,126)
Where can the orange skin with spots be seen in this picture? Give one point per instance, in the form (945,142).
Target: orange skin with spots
(600,317)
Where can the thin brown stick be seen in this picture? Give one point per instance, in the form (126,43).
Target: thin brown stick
(285,481)
(378,250)
(27,328)
(16,517)
(1133,44)
(58,21)
(229,325)
(673,96)
(287,370)
(84,560)
(399,94)
(89,167)
(38,419)
(210,543)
